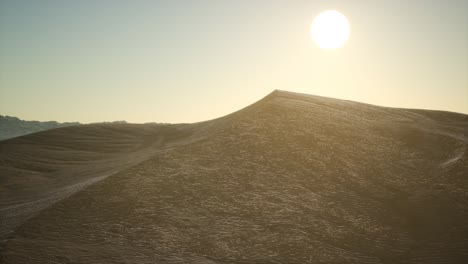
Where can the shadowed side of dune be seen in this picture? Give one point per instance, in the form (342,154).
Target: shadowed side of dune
(42,168)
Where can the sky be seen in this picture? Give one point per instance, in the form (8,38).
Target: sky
(187,61)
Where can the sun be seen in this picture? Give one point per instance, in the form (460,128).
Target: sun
(330,30)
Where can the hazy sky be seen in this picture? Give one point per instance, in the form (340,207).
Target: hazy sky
(186,61)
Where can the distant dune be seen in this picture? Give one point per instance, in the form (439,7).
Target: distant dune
(293,178)
(11,127)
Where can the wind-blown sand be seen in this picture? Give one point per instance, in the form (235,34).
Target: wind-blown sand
(292,178)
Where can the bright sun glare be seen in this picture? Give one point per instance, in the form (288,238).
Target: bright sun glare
(330,29)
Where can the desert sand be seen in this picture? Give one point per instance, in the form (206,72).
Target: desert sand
(293,178)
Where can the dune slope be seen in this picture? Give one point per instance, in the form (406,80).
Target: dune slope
(42,168)
(291,179)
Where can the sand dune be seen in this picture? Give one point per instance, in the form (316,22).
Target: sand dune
(292,178)
(42,168)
